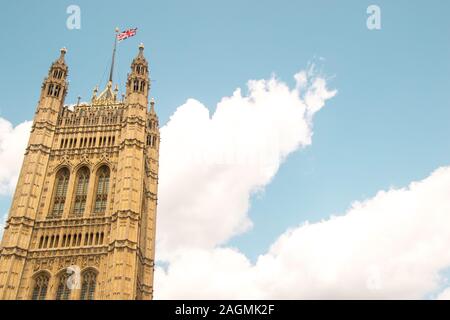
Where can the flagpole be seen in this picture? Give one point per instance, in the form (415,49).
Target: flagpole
(113,56)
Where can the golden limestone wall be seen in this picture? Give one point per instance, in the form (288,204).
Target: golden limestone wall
(66,237)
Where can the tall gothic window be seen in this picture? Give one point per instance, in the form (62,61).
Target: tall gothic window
(40,287)
(56,91)
(81,191)
(88,285)
(63,291)
(61,183)
(101,196)
(50,89)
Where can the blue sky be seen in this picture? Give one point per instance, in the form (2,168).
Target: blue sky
(387,126)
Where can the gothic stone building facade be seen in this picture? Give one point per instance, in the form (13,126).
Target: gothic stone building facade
(82,220)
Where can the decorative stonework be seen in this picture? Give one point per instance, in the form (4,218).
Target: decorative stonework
(58,220)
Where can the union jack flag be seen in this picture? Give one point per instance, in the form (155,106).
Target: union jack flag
(126,34)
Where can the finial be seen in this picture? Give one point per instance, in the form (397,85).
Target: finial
(117,30)
(116,91)
(141,51)
(94,94)
(152,105)
(78,101)
(63,53)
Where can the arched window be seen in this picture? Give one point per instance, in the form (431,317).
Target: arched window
(88,285)
(50,89)
(101,196)
(62,180)
(40,287)
(142,86)
(57,90)
(63,291)
(81,191)
(136,85)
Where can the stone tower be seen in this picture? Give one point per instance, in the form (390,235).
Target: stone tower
(82,220)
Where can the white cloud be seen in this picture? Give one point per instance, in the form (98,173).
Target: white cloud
(13,141)
(444,295)
(391,246)
(210,165)
(2,224)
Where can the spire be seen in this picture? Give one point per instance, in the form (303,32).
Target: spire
(140,58)
(60,63)
(58,69)
(138,82)
(55,85)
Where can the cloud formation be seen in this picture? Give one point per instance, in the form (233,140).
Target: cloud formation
(13,141)
(444,295)
(391,246)
(211,164)
(394,245)
(3,218)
